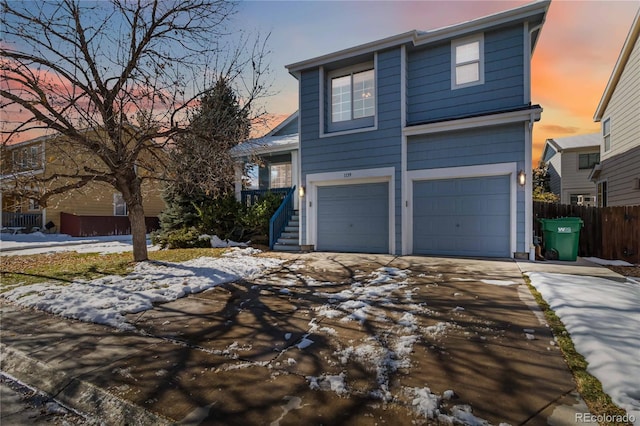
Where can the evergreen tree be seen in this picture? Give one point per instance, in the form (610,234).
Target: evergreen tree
(202,169)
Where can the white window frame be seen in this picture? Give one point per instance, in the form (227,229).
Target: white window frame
(602,197)
(118,200)
(34,205)
(328,127)
(606,137)
(290,172)
(479,38)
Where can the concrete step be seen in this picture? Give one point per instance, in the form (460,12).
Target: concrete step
(293,223)
(290,229)
(286,247)
(295,217)
(288,241)
(290,235)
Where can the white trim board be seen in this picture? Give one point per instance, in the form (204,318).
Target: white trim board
(499,169)
(347,177)
(474,122)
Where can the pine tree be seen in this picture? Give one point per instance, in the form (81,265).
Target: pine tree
(202,167)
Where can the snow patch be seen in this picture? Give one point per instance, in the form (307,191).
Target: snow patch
(106,300)
(603,318)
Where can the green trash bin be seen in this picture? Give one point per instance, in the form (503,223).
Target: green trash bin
(562,235)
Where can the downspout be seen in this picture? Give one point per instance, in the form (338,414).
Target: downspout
(528,154)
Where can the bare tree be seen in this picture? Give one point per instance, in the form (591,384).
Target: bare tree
(116,80)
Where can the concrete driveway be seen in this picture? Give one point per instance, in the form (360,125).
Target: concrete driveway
(326,339)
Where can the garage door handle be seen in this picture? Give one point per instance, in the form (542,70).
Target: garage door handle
(457,225)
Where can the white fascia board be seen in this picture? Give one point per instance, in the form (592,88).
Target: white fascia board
(284,123)
(481,24)
(418,38)
(473,122)
(371,47)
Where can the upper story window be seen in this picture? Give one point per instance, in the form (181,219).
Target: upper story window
(467,62)
(606,134)
(27,158)
(351,98)
(587,161)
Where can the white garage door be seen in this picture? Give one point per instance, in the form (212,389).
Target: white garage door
(353,218)
(462,217)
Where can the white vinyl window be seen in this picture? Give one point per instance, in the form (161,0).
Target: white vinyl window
(34,204)
(280,175)
(606,134)
(467,62)
(119,206)
(353,96)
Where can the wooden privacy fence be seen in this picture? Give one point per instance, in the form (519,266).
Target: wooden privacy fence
(608,233)
(90,226)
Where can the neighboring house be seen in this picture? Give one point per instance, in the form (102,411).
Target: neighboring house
(94,209)
(420,143)
(618,175)
(569,163)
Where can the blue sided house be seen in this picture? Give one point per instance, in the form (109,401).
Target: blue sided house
(421,143)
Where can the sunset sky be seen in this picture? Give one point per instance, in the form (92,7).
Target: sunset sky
(573,60)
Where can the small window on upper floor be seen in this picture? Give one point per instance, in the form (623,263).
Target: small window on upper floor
(467,62)
(606,134)
(587,161)
(352,94)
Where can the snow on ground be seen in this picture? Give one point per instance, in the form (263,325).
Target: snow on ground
(603,318)
(605,262)
(39,243)
(107,299)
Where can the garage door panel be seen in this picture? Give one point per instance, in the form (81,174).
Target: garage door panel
(353,218)
(462,217)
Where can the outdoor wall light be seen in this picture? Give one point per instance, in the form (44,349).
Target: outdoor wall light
(522,178)
(301,191)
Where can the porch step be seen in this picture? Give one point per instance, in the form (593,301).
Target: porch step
(290,237)
(286,247)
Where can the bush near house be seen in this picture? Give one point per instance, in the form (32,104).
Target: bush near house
(225,217)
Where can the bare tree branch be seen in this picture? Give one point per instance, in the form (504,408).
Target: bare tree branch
(118,81)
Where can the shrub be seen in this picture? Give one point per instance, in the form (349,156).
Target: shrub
(180,238)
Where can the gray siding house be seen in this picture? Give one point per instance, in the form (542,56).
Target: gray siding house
(420,143)
(570,161)
(618,175)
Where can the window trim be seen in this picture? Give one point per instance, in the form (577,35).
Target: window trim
(290,165)
(590,165)
(481,59)
(115,205)
(34,205)
(605,135)
(602,193)
(365,124)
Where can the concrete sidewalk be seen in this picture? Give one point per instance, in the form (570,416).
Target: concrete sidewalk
(260,352)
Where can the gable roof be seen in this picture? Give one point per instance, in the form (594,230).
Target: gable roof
(272,142)
(625,53)
(533,11)
(591,140)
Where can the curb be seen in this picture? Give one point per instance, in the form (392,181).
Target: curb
(75,393)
